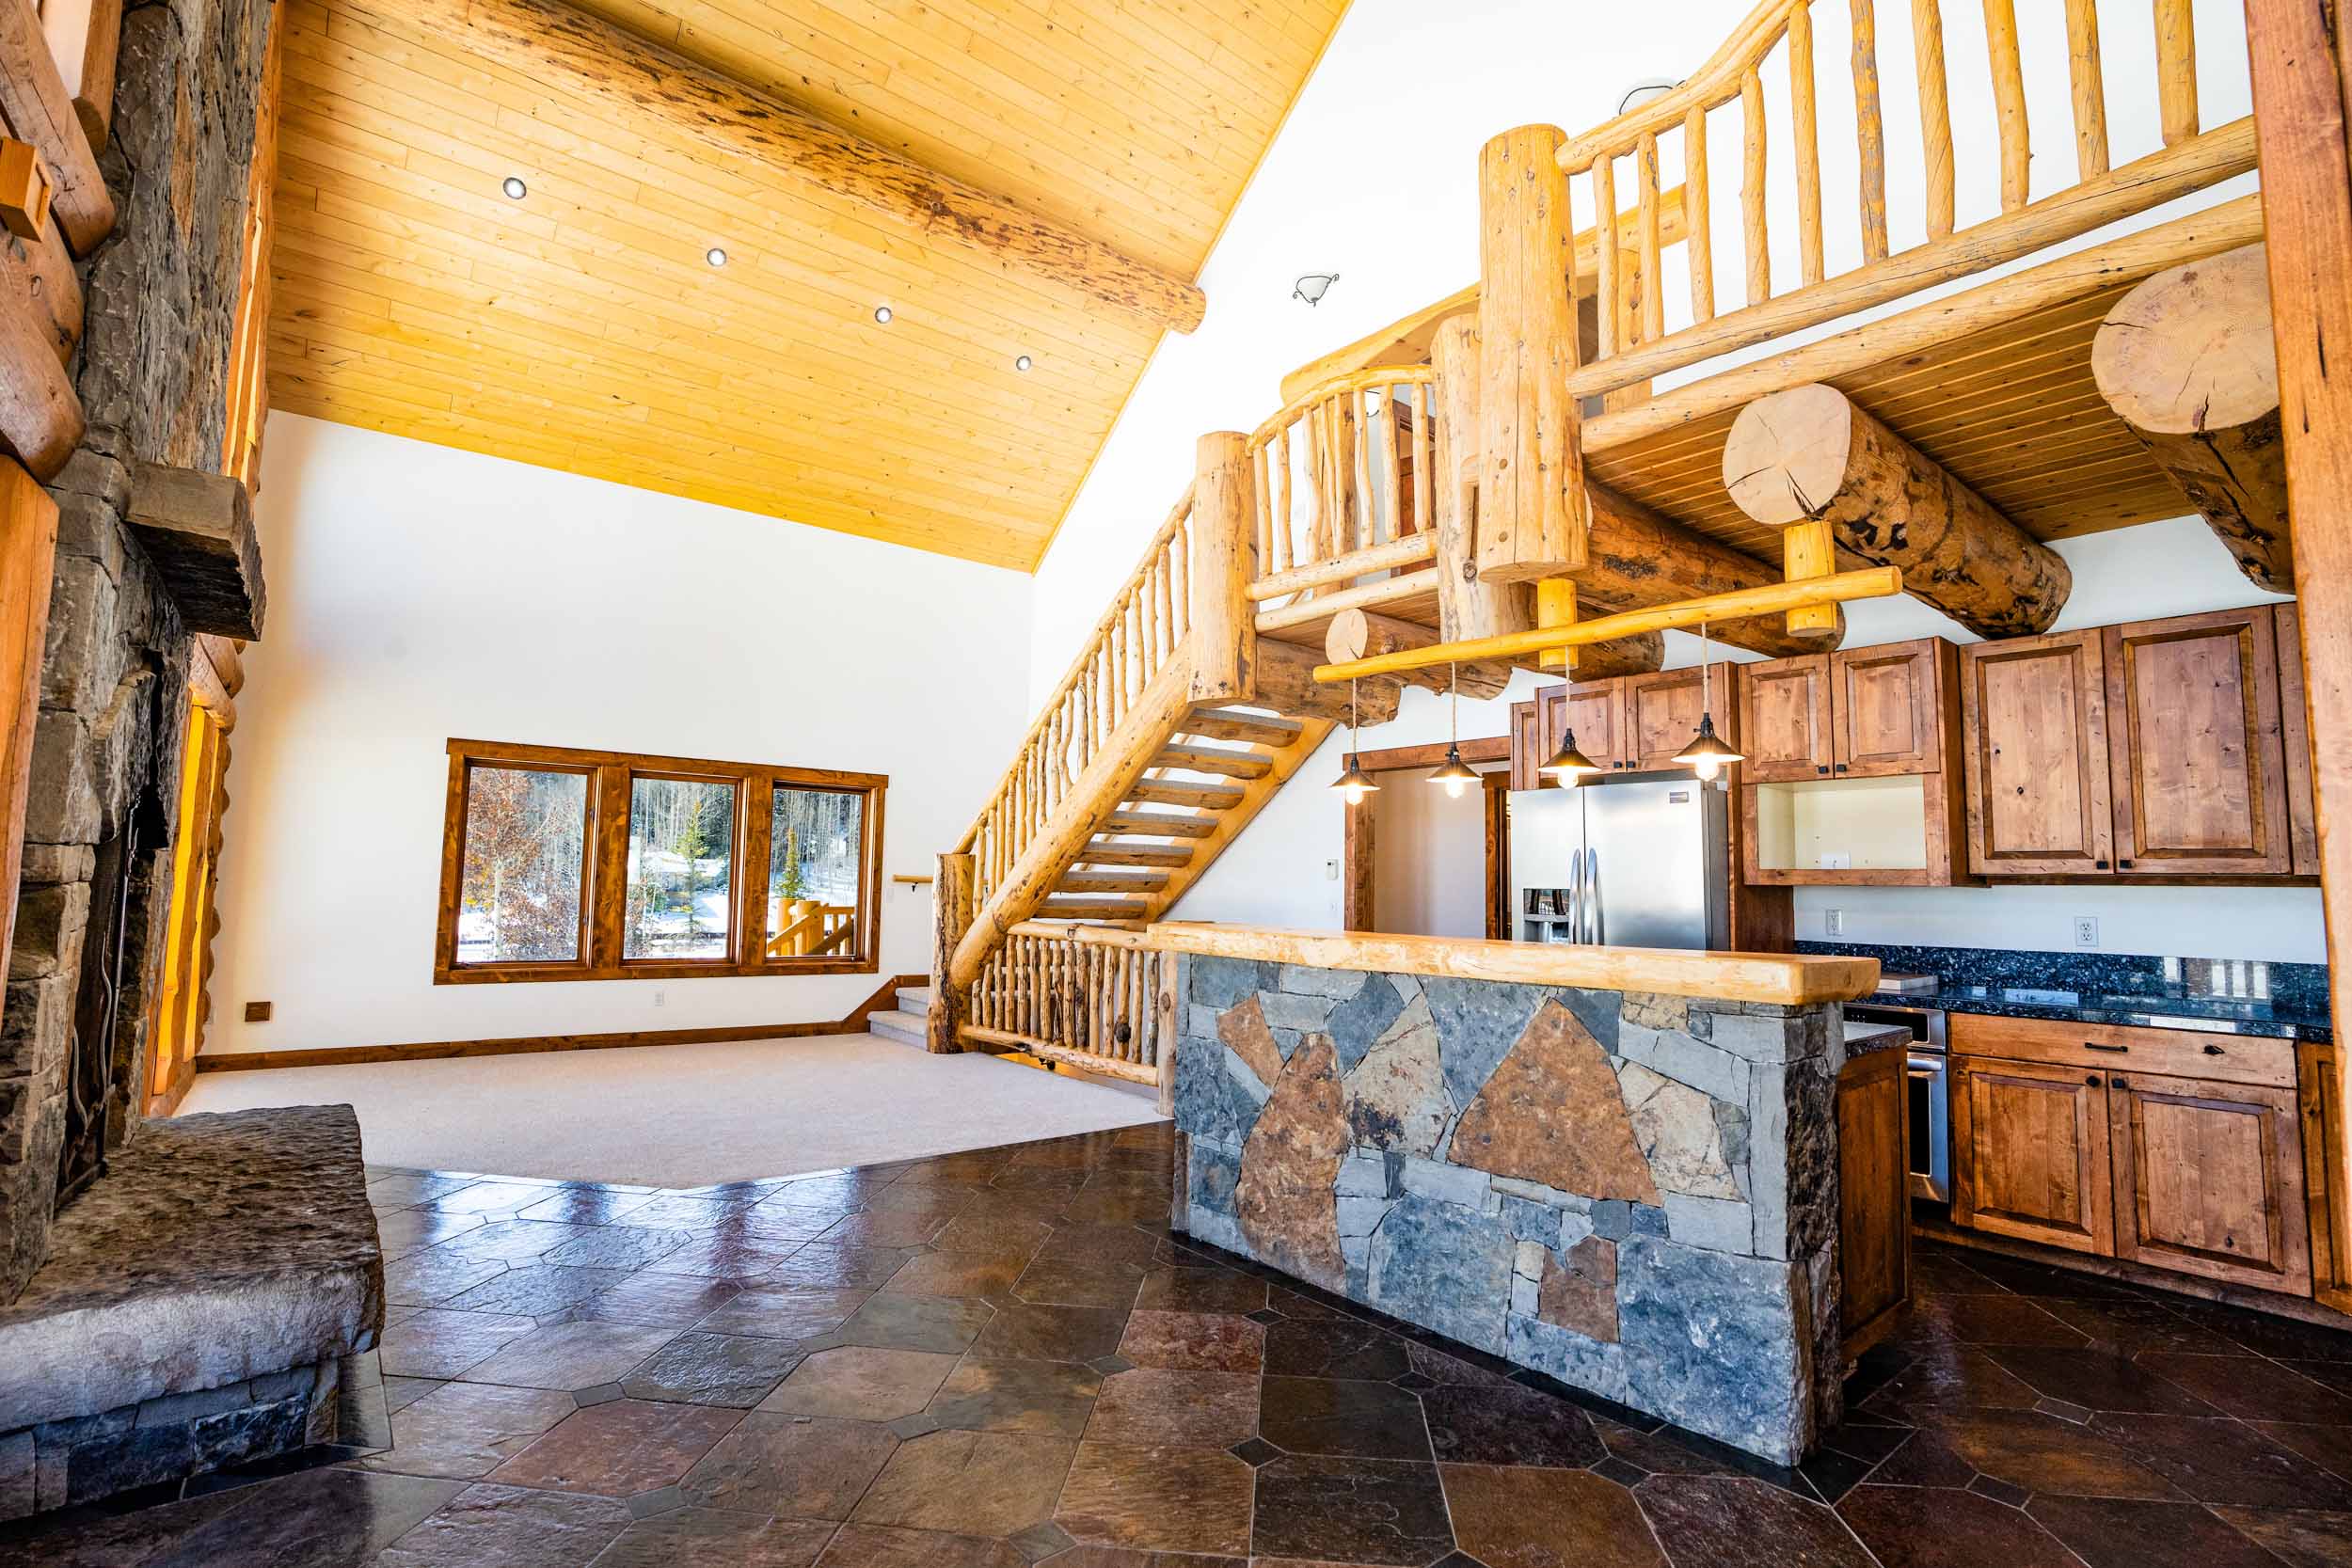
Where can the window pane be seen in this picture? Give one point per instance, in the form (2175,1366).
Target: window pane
(815,849)
(519,892)
(681,862)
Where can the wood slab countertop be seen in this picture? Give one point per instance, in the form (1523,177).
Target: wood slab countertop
(1788,978)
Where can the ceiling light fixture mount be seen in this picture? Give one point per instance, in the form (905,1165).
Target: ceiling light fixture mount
(1023,362)
(882,314)
(1312,285)
(513,188)
(716,257)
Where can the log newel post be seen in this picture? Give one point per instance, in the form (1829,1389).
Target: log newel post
(951,916)
(1224,562)
(1532,516)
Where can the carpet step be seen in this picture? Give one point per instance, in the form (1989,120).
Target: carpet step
(914,999)
(906,1028)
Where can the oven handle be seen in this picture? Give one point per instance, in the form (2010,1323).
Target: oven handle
(1925,1067)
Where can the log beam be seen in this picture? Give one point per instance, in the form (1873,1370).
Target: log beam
(557,45)
(1355,634)
(1809,455)
(197,529)
(1639,558)
(41,415)
(1287,685)
(2187,360)
(86,38)
(40,109)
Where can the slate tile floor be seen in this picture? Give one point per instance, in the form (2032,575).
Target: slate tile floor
(1002,1359)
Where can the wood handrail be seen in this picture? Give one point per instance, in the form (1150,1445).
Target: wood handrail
(1371,378)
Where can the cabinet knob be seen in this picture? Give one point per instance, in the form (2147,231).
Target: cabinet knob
(2118,1084)
(2101,865)
(1841,768)
(2212,1051)
(2093,1080)
(2125,865)
(1818,768)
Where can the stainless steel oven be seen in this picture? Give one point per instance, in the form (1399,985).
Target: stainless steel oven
(1928,1067)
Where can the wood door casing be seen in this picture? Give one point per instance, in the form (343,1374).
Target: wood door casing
(2029,1152)
(1874,1196)
(2209,1180)
(2199,768)
(2033,717)
(1885,706)
(1785,719)
(1527,753)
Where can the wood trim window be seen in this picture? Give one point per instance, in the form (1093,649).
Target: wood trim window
(566,864)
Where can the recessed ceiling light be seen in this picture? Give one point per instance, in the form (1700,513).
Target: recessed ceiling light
(513,188)
(716,257)
(882,314)
(1023,363)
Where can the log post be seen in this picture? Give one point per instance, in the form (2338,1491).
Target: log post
(1224,563)
(1531,490)
(951,916)
(38,108)
(2187,360)
(1808,454)
(1353,634)
(1467,606)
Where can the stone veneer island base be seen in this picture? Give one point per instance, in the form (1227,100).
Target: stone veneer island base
(1634,1192)
(194,1309)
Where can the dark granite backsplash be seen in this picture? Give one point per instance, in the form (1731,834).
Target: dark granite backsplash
(2238,995)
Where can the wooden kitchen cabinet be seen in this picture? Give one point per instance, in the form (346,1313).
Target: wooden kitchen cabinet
(1785,719)
(2034,746)
(1873,1196)
(2325,1206)
(2197,767)
(1887,705)
(1661,712)
(1527,753)
(2029,1152)
(2209,1180)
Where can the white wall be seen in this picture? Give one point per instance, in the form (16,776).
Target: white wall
(419,593)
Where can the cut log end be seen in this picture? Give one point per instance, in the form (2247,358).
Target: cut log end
(2187,359)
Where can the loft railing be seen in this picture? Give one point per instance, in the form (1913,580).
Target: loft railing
(1142,632)
(1345,480)
(1778,36)
(807,927)
(1093,997)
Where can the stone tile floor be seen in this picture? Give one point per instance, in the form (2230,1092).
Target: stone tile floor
(994,1359)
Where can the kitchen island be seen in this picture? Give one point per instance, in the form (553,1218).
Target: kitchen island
(1616,1166)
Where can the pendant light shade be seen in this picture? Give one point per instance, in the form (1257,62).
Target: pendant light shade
(1567,764)
(1707,753)
(1355,783)
(1456,775)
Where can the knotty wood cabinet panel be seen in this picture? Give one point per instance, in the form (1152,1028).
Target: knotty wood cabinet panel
(2034,725)
(2198,770)
(1596,712)
(1873,1195)
(1886,702)
(1785,719)
(2294,737)
(2209,1180)
(2328,1214)
(2029,1152)
(1527,753)
(1661,712)
(2124,1048)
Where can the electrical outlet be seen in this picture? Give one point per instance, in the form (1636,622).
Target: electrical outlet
(1834,923)
(660,997)
(2085,931)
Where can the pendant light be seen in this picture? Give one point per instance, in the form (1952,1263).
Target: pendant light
(1355,783)
(1456,776)
(1707,753)
(1569,765)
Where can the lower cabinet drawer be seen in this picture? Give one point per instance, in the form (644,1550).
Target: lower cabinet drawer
(2110,1047)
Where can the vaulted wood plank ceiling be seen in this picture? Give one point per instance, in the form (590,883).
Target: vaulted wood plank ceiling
(582,328)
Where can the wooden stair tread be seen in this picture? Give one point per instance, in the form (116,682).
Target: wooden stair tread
(1092,907)
(1112,881)
(1214,759)
(1159,824)
(1170,792)
(1112,851)
(1260,729)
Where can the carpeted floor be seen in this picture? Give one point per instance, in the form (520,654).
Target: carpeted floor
(687,1115)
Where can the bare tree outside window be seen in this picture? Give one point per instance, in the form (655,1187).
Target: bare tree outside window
(525,832)
(681,864)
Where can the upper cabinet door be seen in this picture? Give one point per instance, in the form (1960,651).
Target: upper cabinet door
(1785,719)
(1527,751)
(2033,711)
(1888,712)
(1661,713)
(1596,712)
(2199,771)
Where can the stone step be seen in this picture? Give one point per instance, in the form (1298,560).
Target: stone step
(906,1028)
(1214,759)
(1255,729)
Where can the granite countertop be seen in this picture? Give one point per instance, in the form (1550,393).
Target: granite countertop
(2281,1000)
(1867,1040)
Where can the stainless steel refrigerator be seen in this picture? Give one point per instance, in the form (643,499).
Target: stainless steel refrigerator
(1641,860)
